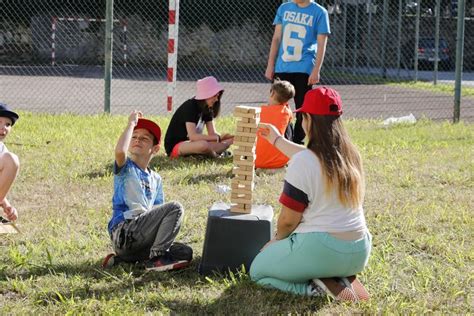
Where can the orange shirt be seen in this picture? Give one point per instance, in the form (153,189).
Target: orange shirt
(267,155)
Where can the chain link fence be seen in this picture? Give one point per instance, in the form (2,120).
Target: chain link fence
(52,54)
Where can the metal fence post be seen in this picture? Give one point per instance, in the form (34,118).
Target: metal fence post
(109,24)
(399,37)
(356,42)
(435,68)
(417,39)
(344,35)
(459,61)
(384,38)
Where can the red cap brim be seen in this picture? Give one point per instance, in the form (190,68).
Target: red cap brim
(150,126)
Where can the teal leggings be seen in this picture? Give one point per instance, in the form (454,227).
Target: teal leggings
(290,264)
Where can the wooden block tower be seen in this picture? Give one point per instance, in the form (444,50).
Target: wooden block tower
(244,158)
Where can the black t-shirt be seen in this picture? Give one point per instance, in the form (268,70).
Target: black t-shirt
(189,111)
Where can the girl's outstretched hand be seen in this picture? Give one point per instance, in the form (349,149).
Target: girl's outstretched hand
(11,213)
(227,136)
(268,132)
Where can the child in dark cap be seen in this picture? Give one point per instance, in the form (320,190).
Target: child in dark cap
(9,163)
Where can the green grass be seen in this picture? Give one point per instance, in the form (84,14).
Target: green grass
(419,204)
(440,87)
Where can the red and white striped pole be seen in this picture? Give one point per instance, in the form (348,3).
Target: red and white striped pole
(173,22)
(124,38)
(53,41)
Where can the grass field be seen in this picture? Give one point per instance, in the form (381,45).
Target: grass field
(419,207)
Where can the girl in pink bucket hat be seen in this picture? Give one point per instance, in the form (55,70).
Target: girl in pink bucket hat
(185,132)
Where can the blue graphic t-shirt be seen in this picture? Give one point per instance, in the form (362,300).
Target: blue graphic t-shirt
(300,28)
(135,191)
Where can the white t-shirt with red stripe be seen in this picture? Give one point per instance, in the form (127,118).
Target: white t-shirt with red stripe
(304,192)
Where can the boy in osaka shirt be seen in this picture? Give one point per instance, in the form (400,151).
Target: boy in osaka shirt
(297,49)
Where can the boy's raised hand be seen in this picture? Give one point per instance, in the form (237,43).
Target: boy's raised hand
(134,116)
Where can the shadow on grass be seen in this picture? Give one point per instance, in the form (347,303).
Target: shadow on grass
(101,173)
(247,298)
(106,283)
(240,296)
(162,162)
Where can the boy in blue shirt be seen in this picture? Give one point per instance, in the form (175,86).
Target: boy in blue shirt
(297,50)
(142,227)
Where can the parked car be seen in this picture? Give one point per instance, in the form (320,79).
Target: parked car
(426,53)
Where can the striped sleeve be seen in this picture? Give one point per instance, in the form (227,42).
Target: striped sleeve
(294,198)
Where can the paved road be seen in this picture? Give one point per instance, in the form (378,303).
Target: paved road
(85,96)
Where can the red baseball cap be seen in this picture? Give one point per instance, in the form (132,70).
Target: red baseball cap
(150,126)
(322,101)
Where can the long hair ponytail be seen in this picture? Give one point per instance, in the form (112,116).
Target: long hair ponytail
(340,159)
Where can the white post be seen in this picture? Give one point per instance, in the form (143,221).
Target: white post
(173,22)
(53,41)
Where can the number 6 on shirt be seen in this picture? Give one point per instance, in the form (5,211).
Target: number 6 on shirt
(296,43)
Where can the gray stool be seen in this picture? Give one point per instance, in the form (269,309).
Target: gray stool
(233,239)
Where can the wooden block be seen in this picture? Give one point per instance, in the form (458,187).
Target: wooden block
(249,177)
(246,147)
(243,134)
(241,195)
(243,201)
(239,185)
(8,228)
(247,120)
(240,153)
(237,168)
(244,162)
(246,109)
(240,109)
(249,144)
(246,183)
(242,168)
(244,177)
(248,168)
(237,209)
(242,171)
(240,178)
(248,125)
(246,143)
(240,129)
(235,184)
(247,115)
(242,191)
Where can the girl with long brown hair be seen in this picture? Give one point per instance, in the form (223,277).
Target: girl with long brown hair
(322,240)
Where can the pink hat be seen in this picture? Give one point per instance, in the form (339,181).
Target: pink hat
(322,101)
(207,88)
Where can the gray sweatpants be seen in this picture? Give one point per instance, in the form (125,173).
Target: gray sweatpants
(150,234)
